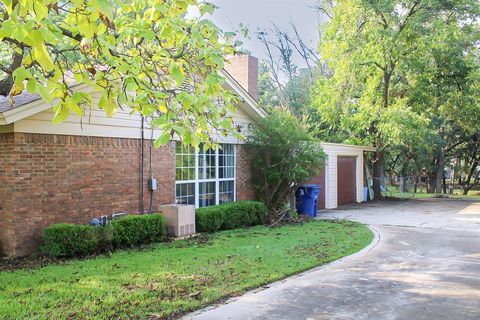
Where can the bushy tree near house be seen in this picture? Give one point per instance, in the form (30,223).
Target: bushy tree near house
(284,155)
(143,54)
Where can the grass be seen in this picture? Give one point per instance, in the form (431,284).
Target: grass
(457,194)
(170,279)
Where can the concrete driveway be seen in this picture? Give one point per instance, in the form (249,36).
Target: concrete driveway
(424,264)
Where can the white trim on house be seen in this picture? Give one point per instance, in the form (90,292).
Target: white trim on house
(36,116)
(349,146)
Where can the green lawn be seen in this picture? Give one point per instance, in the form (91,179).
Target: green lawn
(457,194)
(173,278)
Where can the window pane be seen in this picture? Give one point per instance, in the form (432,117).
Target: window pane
(225,193)
(206,164)
(226,160)
(206,194)
(184,163)
(185,193)
(203,165)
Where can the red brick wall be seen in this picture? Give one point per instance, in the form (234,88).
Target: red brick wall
(245,189)
(74,179)
(7,182)
(47,179)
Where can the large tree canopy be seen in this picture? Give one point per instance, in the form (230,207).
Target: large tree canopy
(147,55)
(400,70)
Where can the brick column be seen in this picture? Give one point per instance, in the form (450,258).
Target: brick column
(244,186)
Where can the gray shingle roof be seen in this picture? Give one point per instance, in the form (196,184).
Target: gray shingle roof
(18,101)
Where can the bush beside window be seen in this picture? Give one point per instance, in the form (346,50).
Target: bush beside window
(230,216)
(73,240)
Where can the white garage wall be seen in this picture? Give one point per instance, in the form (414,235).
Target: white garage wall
(333,151)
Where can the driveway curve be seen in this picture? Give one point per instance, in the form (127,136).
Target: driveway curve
(426,265)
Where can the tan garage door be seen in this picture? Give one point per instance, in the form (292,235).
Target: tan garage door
(346,180)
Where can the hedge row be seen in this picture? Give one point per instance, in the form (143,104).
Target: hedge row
(72,240)
(230,215)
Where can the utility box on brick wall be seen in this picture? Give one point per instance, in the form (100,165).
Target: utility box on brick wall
(180,219)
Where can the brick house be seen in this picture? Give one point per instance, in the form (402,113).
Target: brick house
(93,165)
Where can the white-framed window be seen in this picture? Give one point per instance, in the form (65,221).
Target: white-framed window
(205,177)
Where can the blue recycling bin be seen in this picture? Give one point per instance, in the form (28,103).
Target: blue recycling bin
(307,199)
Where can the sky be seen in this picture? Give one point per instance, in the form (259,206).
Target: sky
(259,14)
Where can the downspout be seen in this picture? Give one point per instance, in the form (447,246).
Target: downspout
(150,209)
(142,182)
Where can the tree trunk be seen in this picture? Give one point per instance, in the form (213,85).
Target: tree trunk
(378,174)
(386,88)
(415,182)
(404,174)
(452,178)
(7,83)
(440,172)
(468,182)
(431,183)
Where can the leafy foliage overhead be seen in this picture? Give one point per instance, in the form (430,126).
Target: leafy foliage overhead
(147,55)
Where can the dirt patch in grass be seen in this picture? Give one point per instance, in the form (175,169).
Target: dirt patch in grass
(168,280)
(27,262)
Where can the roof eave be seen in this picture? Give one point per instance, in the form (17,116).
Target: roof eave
(31,108)
(250,106)
(364,148)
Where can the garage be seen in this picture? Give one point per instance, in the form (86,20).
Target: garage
(320,180)
(346,180)
(342,177)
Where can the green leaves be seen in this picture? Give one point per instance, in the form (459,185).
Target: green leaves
(163,139)
(108,104)
(104,7)
(40,9)
(207,7)
(177,74)
(284,154)
(399,75)
(41,55)
(140,55)
(21,74)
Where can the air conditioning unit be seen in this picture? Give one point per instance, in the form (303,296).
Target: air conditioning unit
(180,219)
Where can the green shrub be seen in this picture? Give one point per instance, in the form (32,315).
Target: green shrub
(284,155)
(69,240)
(209,219)
(230,216)
(104,236)
(138,229)
(72,240)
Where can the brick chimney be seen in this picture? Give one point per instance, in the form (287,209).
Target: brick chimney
(244,69)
